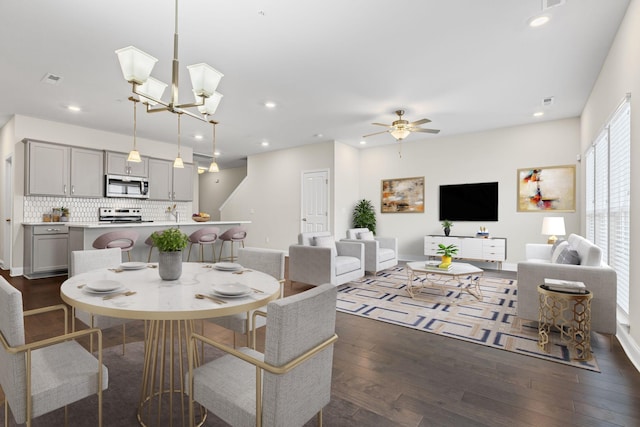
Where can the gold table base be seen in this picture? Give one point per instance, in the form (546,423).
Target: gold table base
(163,394)
(570,314)
(442,280)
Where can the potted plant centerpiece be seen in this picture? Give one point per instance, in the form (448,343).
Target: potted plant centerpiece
(364,216)
(446,226)
(170,243)
(447,252)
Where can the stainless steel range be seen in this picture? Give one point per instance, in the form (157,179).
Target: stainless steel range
(115,215)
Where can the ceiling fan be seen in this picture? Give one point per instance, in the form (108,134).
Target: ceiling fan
(400,129)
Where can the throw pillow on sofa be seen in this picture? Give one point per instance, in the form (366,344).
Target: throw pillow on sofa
(326,242)
(366,235)
(568,256)
(555,252)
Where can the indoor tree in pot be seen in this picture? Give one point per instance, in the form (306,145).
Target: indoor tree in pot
(447,252)
(364,216)
(170,243)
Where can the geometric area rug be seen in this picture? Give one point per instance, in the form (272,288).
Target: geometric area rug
(456,314)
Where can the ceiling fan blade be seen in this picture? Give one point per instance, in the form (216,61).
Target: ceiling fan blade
(377,133)
(419,122)
(381,124)
(425,130)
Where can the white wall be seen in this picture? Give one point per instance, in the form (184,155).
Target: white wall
(346,188)
(479,157)
(621,75)
(270,195)
(215,188)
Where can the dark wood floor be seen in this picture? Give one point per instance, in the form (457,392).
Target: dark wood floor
(386,375)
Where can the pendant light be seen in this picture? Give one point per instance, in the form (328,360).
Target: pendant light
(134,155)
(177,163)
(213,167)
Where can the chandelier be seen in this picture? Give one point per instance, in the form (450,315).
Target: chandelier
(137,65)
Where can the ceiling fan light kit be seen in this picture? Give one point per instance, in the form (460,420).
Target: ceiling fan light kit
(400,129)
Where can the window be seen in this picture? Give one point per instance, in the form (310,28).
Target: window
(607,201)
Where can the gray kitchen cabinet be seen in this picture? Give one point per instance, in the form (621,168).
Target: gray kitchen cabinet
(60,170)
(46,250)
(117,164)
(169,183)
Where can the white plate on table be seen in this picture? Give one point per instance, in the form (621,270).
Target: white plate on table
(133,265)
(219,295)
(102,286)
(227,266)
(232,289)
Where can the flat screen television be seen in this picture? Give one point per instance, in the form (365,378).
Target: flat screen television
(469,202)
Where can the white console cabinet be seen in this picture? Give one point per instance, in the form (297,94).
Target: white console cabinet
(491,249)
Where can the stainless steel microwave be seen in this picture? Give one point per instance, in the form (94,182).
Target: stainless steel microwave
(126,186)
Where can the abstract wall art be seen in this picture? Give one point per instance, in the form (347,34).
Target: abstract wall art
(402,195)
(547,188)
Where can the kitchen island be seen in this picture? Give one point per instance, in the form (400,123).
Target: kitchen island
(82,235)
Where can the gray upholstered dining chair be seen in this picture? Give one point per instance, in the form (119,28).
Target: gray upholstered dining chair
(285,386)
(379,252)
(82,261)
(42,376)
(269,261)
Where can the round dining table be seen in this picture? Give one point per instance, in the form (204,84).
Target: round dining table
(169,309)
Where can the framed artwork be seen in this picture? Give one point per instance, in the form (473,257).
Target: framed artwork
(402,195)
(547,188)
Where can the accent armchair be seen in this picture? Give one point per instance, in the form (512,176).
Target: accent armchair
(318,259)
(379,252)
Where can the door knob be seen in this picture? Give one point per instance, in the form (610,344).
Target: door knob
(304,219)
(8,219)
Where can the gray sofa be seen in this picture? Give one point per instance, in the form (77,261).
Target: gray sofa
(598,277)
(319,259)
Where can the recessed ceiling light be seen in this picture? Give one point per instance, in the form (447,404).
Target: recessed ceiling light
(198,137)
(265,143)
(363,142)
(216,153)
(538,114)
(538,21)
(73,108)
(270,104)
(318,135)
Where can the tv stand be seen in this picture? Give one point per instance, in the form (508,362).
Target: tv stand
(486,249)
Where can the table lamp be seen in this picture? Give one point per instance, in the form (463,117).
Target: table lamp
(552,226)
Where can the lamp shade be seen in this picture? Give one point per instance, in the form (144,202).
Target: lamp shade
(178,163)
(553,225)
(204,79)
(210,104)
(213,167)
(134,156)
(136,65)
(154,88)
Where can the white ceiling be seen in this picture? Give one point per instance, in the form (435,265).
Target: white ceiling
(332,66)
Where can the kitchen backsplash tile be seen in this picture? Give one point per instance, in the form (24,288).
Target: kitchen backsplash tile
(86,210)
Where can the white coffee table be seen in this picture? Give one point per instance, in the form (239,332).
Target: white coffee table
(461,276)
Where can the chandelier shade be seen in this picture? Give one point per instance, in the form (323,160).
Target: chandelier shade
(204,79)
(135,64)
(151,90)
(210,104)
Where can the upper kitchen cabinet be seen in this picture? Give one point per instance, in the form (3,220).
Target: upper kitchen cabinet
(169,183)
(117,164)
(60,170)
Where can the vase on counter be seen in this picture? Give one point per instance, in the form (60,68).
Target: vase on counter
(170,265)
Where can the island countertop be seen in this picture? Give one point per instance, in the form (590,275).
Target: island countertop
(105,224)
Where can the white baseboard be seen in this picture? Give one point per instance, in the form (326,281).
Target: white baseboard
(18,271)
(629,345)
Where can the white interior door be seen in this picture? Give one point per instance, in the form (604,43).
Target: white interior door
(315,201)
(7,207)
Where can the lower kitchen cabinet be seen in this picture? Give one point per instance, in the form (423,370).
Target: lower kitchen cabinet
(46,250)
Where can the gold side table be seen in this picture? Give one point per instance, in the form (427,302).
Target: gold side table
(570,314)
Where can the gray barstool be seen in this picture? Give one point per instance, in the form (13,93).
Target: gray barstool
(234,234)
(202,237)
(123,239)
